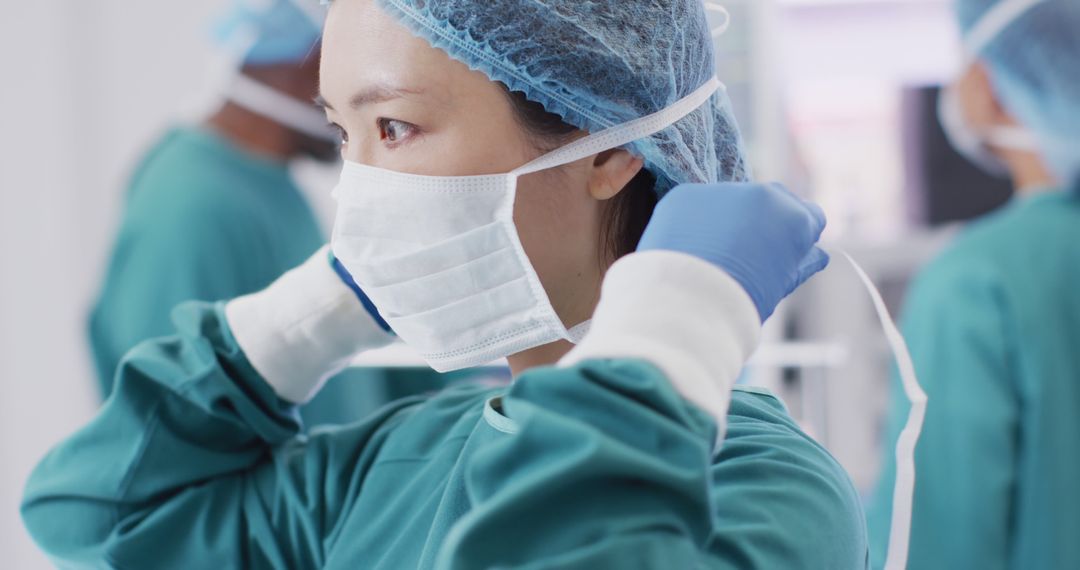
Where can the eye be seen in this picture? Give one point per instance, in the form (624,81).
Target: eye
(394,131)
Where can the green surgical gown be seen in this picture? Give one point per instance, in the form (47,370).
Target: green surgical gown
(994,330)
(196,463)
(205,220)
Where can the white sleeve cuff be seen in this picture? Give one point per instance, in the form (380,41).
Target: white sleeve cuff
(303,329)
(684,315)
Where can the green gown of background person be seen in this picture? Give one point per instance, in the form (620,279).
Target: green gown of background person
(196,463)
(994,330)
(205,220)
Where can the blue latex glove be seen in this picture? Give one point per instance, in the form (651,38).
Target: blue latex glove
(762,235)
(347,278)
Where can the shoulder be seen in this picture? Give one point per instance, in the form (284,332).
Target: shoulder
(1000,246)
(191,192)
(191,175)
(781,499)
(971,268)
(759,426)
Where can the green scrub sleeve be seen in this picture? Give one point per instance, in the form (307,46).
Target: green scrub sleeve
(194,459)
(956,322)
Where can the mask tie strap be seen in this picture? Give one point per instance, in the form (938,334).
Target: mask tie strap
(719,9)
(995,21)
(623,134)
(903,492)
(260,99)
(1016,138)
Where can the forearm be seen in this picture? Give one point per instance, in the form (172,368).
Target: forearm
(304,328)
(186,410)
(193,414)
(681,314)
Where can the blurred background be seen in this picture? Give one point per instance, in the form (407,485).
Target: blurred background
(836,97)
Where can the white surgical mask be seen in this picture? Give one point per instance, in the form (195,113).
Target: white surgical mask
(441,259)
(976,144)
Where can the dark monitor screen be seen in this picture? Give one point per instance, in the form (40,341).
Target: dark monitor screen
(941,185)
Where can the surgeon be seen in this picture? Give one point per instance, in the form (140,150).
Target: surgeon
(994,322)
(213,213)
(499,199)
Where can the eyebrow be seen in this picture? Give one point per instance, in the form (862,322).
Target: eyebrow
(378,94)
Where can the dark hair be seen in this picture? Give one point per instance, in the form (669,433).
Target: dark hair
(627,214)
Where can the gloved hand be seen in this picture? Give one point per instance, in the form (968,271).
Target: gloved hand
(347,278)
(762,235)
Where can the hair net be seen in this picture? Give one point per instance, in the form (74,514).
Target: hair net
(268,32)
(597,64)
(1035,65)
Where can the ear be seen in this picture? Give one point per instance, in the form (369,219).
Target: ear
(612,170)
(980,99)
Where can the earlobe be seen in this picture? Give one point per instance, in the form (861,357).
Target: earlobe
(612,171)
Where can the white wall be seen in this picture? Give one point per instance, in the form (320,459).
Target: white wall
(85,85)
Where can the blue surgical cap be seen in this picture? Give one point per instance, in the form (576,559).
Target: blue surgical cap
(598,64)
(1035,65)
(270,32)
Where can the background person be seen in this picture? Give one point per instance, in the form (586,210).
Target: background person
(994,322)
(213,211)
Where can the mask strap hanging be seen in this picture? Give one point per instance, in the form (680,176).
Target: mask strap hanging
(903,493)
(625,133)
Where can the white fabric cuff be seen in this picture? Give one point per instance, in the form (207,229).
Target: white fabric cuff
(682,314)
(304,328)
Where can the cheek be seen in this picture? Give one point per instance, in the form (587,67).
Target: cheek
(465,148)
(976,100)
(558,223)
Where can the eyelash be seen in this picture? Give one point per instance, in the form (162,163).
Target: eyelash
(384,125)
(344,136)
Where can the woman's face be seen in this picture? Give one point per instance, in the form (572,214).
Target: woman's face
(405,106)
